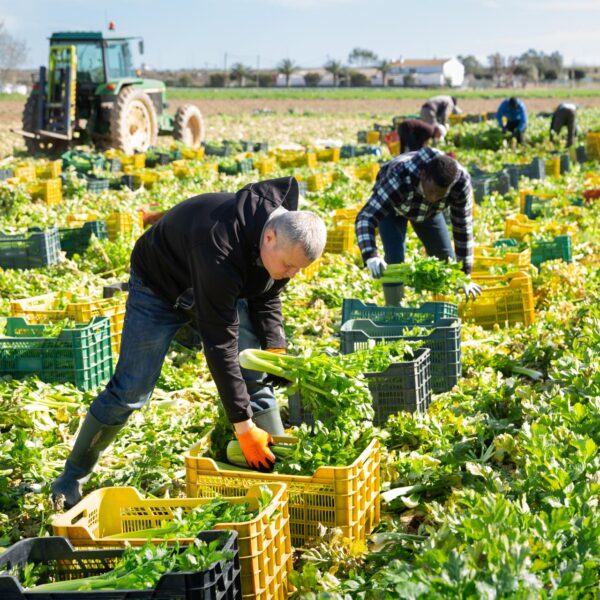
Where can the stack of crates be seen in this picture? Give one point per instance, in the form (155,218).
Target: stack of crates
(265,550)
(48,169)
(346,497)
(81,355)
(364,325)
(48,190)
(56,306)
(33,250)
(504,300)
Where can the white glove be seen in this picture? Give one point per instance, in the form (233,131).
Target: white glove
(471,290)
(377,266)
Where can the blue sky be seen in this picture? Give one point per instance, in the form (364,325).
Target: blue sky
(198,34)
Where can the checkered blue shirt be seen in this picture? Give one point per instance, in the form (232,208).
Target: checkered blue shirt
(396,190)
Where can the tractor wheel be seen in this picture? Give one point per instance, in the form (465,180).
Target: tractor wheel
(133,123)
(189,125)
(35,146)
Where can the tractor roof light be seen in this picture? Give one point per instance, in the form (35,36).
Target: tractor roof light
(111,87)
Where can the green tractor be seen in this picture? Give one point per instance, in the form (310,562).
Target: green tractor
(91,93)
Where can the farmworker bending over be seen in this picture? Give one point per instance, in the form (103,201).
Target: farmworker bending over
(221,260)
(417,187)
(564,116)
(438,110)
(414,134)
(512,116)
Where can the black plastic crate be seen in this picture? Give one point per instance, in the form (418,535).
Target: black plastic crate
(581,154)
(536,169)
(482,186)
(403,386)
(443,341)
(426,314)
(501,182)
(108,291)
(37,248)
(75,240)
(221,581)
(565,163)
(218,150)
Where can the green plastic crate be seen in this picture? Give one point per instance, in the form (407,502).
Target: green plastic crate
(560,248)
(426,314)
(75,240)
(81,355)
(443,341)
(37,248)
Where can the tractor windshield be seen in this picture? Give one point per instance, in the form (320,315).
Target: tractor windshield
(118,56)
(90,65)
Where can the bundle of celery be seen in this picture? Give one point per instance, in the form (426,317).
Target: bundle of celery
(426,275)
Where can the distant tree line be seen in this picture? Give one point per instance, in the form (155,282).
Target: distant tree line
(532,66)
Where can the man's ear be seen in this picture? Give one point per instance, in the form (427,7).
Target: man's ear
(269,237)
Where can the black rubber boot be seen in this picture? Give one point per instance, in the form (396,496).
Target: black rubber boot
(269,420)
(393,293)
(94,437)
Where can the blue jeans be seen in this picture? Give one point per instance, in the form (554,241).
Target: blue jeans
(433,233)
(149,326)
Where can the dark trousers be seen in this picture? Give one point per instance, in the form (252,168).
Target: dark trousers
(433,233)
(513,127)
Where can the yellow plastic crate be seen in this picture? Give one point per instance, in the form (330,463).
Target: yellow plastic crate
(24,172)
(147,177)
(193,153)
(296,158)
(117,223)
(48,190)
(591,180)
(505,300)
(50,169)
(104,515)
(592,145)
(456,119)
(344,215)
(519,227)
(394,148)
(487,257)
(345,497)
(312,269)
(368,172)
(328,154)
(553,166)
(135,161)
(319,181)
(373,137)
(56,306)
(341,238)
(265,165)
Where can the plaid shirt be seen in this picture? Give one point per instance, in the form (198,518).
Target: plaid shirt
(396,190)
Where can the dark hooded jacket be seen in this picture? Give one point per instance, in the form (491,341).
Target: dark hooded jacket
(204,254)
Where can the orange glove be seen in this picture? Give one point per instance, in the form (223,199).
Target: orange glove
(255,446)
(276,350)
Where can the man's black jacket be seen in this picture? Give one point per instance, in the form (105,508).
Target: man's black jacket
(211,243)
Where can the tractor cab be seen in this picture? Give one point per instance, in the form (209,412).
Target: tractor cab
(91,93)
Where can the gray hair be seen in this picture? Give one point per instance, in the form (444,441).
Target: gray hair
(300,227)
